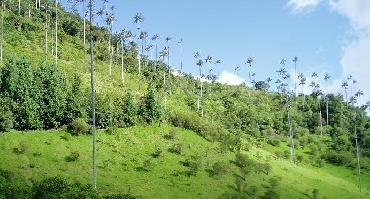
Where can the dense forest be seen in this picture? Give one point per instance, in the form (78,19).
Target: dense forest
(45,85)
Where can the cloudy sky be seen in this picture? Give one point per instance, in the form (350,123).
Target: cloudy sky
(330,36)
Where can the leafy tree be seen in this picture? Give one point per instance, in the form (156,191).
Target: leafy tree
(19,85)
(150,109)
(129,110)
(52,87)
(76,101)
(6,116)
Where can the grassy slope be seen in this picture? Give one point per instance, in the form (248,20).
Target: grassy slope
(120,155)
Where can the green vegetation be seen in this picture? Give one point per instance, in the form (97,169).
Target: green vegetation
(159,139)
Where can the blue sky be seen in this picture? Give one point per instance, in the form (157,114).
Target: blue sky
(319,32)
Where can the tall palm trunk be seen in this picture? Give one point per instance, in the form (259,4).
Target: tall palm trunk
(56,32)
(29,8)
(84,16)
(2,31)
(200,96)
(19,7)
(93,102)
(327,111)
(295,79)
(164,87)
(46,32)
(169,69)
(122,69)
(110,48)
(358,158)
(291,137)
(320,117)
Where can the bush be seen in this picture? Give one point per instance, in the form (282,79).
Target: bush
(119,196)
(21,149)
(219,168)
(171,135)
(147,166)
(72,157)
(193,164)
(6,120)
(274,140)
(177,149)
(59,188)
(300,158)
(13,187)
(157,153)
(338,158)
(150,109)
(66,136)
(201,126)
(79,126)
(242,160)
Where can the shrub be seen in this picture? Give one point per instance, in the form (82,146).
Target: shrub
(274,140)
(242,160)
(72,157)
(219,168)
(21,149)
(315,193)
(171,135)
(65,136)
(201,126)
(300,158)
(193,164)
(150,109)
(157,153)
(79,126)
(111,130)
(130,110)
(147,166)
(119,196)
(13,187)
(177,149)
(264,168)
(59,188)
(338,158)
(6,120)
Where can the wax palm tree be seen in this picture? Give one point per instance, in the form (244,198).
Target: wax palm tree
(155,39)
(138,19)
(345,87)
(93,100)
(162,55)
(295,60)
(47,12)
(19,7)
(200,97)
(327,78)
(302,83)
(2,31)
(124,35)
(250,61)
(283,87)
(56,32)
(316,90)
(109,21)
(181,43)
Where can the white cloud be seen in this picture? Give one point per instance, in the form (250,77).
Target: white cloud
(357,11)
(356,59)
(303,6)
(229,78)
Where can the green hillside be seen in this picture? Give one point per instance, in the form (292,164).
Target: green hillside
(148,148)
